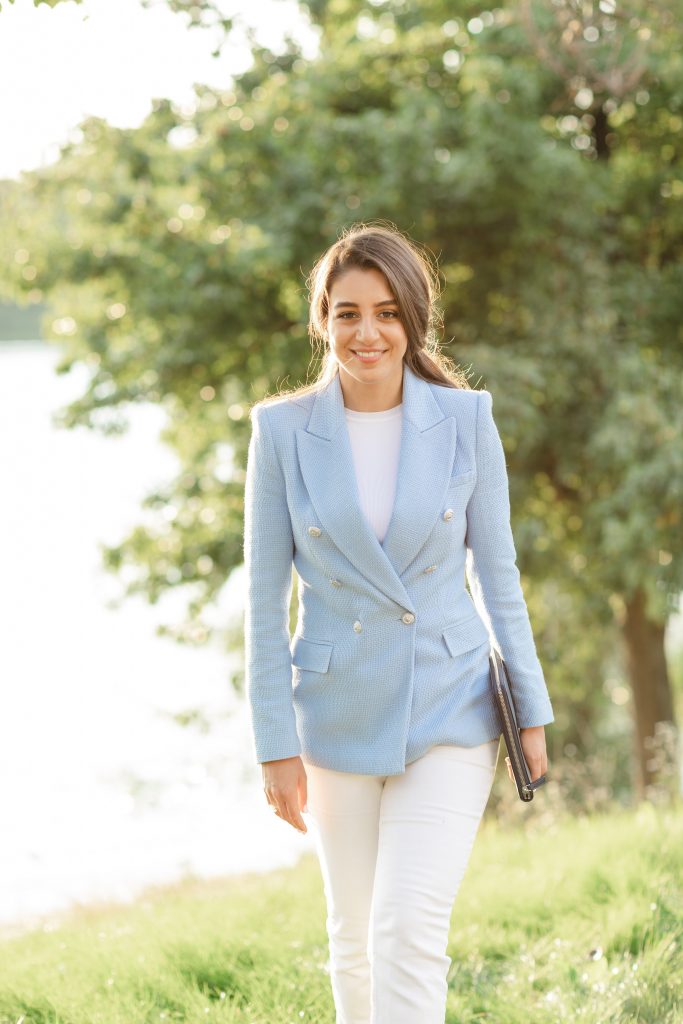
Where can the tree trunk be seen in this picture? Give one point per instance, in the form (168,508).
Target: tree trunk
(656,746)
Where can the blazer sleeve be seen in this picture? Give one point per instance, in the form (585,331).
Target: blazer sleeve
(268,557)
(493,575)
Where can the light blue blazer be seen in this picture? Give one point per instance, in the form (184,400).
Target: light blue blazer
(390,651)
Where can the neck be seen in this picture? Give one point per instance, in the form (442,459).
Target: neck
(373,396)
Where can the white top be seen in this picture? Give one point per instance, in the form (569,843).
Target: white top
(376,445)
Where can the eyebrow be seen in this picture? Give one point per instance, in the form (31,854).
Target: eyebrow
(384,302)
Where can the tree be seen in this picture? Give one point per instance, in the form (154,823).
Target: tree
(552,200)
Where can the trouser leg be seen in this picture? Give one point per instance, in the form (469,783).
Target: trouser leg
(428,821)
(343,809)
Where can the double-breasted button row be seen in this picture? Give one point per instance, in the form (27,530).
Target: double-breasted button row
(407,617)
(315,531)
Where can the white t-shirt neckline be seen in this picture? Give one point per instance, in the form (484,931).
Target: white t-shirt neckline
(355,414)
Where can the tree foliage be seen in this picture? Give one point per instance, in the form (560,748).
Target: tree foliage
(536,149)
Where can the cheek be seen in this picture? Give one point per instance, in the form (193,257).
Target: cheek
(397,328)
(337,329)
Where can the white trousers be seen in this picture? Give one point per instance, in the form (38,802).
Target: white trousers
(393,850)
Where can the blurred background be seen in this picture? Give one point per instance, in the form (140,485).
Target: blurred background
(170,170)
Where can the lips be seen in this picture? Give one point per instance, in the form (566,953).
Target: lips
(372,358)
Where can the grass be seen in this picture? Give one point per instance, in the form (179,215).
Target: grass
(579,921)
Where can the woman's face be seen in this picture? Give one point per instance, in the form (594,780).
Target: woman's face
(364,318)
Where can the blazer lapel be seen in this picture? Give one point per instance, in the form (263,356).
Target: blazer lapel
(424,471)
(425,464)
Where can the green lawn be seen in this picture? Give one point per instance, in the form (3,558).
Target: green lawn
(588,928)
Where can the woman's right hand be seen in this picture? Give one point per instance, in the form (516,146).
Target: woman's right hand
(285,786)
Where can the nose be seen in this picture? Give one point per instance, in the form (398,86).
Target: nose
(367,329)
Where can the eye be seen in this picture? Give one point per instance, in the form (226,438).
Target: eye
(345,316)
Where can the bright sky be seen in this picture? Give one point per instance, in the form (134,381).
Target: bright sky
(109,58)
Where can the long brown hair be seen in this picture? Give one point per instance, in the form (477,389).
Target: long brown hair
(414,283)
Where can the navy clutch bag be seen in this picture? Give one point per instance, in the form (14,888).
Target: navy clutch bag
(500,684)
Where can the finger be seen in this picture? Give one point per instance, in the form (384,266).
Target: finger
(276,796)
(286,810)
(303,793)
(293,816)
(274,807)
(278,803)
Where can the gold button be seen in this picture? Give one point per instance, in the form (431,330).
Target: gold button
(448,514)
(314,531)
(430,568)
(335,583)
(408,617)
(357,626)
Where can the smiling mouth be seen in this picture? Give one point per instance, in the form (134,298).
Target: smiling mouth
(368,355)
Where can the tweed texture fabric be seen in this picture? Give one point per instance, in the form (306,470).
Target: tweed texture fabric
(389,655)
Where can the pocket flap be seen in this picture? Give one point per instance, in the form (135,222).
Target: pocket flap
(460,479)
(311,654)
(465,635)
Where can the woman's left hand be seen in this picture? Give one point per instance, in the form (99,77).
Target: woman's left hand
(533,744)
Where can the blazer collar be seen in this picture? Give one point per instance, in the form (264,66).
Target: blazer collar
(425,465)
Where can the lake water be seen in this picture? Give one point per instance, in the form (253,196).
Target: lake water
(102,792)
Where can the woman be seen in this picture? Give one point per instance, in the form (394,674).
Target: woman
(385,484)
